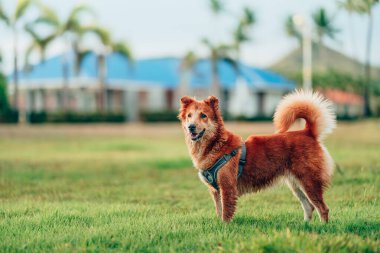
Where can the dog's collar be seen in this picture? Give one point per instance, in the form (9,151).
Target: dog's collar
(210,175)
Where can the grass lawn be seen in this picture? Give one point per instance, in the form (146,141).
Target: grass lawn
(132,188)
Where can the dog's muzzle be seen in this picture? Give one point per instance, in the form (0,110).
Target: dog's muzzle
(196,136)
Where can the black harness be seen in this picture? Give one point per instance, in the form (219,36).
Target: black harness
(210,175)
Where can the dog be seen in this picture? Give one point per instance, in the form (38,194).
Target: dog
(297,156)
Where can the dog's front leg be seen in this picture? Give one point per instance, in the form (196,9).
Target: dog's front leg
(228,192)
(217,201)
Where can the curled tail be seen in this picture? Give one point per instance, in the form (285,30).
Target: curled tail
(311,106)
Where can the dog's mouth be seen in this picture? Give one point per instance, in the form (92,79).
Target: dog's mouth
(196,136)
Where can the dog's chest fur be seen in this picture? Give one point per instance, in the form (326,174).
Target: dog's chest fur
(204,156)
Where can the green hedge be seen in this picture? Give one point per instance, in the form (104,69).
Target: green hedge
(159,116)
(347,118)
(74,117)
(253,119)
(9,116)
(170,116)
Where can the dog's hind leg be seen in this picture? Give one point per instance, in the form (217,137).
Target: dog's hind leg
(314,192)
(307,207)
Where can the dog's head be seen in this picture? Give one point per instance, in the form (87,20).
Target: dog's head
(200,118)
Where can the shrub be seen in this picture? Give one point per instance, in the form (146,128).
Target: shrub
(253,119)
(9,116)
(159,116)
(75,117)
(4,105)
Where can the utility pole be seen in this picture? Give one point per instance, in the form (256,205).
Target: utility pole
(306,51)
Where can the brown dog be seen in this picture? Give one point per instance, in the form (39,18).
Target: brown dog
(298,156)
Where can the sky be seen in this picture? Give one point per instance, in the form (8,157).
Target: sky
(160,28)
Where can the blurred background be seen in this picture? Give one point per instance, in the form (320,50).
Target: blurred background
(109,61)
(72,180)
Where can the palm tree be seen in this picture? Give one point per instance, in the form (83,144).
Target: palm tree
(38,44)
(324,25)
(365,7)
(217,53)
(12,21)
(240,34)
(350,7)
(189,60)
(292,30)
(70,30)
(108,46)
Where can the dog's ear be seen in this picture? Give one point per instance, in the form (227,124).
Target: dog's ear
(213,102)
(186,100)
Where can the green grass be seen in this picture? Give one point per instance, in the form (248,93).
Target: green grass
(133,188)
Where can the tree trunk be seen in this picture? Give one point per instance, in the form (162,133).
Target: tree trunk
(183,89)
(102,84)
(22,118)
(353,37)
(215,86)
(367,85)
(15,79)
(65,90)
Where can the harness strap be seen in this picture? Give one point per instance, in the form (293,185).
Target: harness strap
(210,175)
(242,159)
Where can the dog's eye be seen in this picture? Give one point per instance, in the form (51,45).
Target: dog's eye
(189,115)
(203,116)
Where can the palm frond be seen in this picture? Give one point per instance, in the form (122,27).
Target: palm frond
(123,49)
(359,6)
(240,34)
(22,6)
(101,33)
(38,44)
(291,28)
(80,55)
(348,5)
(73,20)
(223,49)
(48,16)
(3,15)
(207,43)
(189,60)
(216,6)
(249,17)
(324,24)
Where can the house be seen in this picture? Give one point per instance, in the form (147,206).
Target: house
(153,84)
(347,104)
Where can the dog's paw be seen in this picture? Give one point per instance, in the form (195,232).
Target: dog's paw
(227,218)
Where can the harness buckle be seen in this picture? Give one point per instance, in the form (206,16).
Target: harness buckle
(208,176)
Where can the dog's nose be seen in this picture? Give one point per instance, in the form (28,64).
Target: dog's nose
(191,127)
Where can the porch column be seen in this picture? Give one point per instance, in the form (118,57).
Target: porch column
(131,105)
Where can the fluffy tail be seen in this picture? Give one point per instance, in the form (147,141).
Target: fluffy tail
(311,106)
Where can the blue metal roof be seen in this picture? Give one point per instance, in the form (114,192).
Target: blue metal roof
(165,72)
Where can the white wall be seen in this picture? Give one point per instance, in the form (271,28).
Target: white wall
(156,99)
(271,100)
